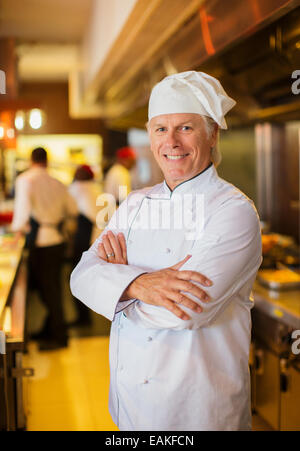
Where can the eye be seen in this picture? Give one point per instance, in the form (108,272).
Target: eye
(160,129)
(186,128)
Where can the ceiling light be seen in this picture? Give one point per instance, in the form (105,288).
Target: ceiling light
(35,118)
(19,120)
(10,133)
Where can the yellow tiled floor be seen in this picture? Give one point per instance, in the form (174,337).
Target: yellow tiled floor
(69,391)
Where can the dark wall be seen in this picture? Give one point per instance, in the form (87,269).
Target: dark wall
(285,213)
(238,165)
(52,98)
(114,141)
(8,63)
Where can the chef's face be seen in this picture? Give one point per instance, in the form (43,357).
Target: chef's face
(181,145)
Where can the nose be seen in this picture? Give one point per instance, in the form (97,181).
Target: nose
(172,139)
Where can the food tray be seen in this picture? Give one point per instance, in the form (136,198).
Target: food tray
(279,279)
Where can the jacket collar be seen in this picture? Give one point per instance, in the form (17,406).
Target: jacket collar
(198,183)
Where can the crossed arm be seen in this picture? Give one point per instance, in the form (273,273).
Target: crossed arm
(229,256)
(161,288)
(170,298)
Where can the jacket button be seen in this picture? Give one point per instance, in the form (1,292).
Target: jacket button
(149,339)
(146,381)
(168,250)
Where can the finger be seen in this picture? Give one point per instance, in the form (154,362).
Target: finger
(182,299)
(196,276)
(189,287)
(172,307)
(181,263)
(122,242)
(107,246)
(101,252)
(114,242)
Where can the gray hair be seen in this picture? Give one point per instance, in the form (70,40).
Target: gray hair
(210,124)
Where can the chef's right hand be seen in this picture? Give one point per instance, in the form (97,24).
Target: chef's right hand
(164,288)
(113,249)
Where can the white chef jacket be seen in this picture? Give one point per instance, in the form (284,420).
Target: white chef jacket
(44,198)
(167,373)
(85,194)
(118,176)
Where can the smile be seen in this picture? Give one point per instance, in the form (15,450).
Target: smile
(175,157)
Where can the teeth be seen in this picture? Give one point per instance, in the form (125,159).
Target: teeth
(174,157)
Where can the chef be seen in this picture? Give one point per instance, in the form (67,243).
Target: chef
(173,271)
(41,205)
(119,174)
(85,191)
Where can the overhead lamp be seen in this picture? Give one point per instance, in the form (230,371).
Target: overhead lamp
(10,133)
(2,131)
(35,118)
(20,120)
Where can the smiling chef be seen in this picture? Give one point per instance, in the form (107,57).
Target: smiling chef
(173,271)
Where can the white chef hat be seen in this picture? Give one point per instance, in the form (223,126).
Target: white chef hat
(190,92)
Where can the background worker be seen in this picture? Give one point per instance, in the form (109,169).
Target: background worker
(85,192)
(119,174)
(41,205)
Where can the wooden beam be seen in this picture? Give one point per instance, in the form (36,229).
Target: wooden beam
(271,112)
(18,104)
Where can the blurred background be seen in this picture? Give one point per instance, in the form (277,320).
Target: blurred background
(78,74)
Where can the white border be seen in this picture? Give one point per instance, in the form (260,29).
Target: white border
(2,82)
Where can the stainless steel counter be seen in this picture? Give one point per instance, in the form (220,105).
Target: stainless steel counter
(13,288)
(10,255)
(275,372)
(283,306)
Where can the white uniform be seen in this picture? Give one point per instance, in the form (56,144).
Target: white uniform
(45,199)
(166,373)
(85,193)
(118,176)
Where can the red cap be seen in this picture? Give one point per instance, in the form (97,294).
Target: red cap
(84,172)
(87,169)
(126,152)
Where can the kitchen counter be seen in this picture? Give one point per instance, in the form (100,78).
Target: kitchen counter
(13,288)
(281,305)
(11,250)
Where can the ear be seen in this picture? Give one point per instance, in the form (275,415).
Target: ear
(214,135)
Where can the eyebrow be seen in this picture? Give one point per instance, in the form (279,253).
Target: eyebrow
(178,125)
(158,125)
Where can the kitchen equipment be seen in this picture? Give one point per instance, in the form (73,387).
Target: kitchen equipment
(279,279)
(276,372)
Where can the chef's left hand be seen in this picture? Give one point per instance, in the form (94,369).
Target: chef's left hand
(113,248)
